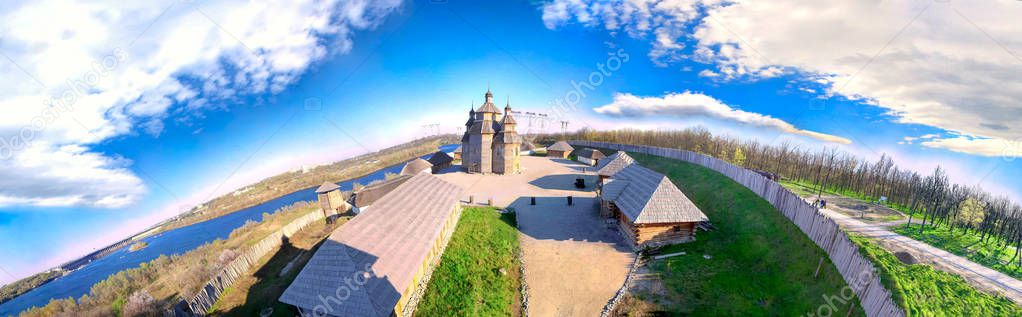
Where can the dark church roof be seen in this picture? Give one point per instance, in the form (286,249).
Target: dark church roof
(440,157)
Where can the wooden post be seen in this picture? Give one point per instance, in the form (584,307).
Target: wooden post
(471,199)
(569,200)
(489,202)
(533,201)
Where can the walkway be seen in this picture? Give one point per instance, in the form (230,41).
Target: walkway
(574,264)
(979,276)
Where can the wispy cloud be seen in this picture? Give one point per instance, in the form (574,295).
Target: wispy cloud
(941,64)
(95,71)
(689,104)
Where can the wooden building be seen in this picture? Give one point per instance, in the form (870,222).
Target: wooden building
(610,165)
(331,202)
(457,153)
(560,149)
(440,160)
(649,209)
(374,264)
(589,156)
(361,199)
(491,143)
(416,166)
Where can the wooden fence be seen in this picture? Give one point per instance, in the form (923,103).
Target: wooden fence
(858,271)
(208,295)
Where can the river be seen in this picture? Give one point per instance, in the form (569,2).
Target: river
(177,241)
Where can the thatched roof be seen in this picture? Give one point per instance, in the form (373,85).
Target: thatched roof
(327,187)
(415,166)
(650,197)
(612,164)
(392,240)
(458,150)
(560,146)
(440,157)
(370,194)
(590,154)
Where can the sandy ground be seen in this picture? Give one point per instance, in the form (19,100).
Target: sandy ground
(573,262)
(979,276)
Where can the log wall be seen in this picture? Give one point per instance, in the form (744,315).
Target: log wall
(209,294)
(858,271)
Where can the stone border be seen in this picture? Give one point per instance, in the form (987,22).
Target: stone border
(612,303)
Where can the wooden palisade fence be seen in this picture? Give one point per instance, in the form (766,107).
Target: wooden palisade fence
(211,292)
(858,271)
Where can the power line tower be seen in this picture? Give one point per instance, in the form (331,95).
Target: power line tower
(564,127)
(534,119)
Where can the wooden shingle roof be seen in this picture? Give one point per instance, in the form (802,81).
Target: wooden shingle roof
(561,146)
(384,246)
(370,194)
(440,157)
(590,153)
(327,187)
(650,197)
(415,166)
(612,164)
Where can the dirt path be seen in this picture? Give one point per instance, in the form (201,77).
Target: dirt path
(574,264)
(979,276)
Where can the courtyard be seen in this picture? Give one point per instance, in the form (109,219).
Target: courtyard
(574,262)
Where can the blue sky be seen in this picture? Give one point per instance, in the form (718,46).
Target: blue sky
(197,100)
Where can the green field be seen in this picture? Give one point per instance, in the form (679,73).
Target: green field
(989,254)
(924,291)
(761,263)
(806,188)
(478,274)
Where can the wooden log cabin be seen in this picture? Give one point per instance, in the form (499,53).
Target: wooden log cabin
(374,264)
(650,210)
(440,161)
(560,149)
(589,156)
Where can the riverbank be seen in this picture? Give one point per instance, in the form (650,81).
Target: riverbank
(188,232)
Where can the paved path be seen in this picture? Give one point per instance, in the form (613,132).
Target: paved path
(977,275)
(574,264)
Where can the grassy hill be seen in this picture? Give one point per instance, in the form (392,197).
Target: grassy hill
(759,262)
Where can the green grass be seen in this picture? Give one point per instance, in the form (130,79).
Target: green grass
(924,291)
(761,264)
(968,245)
(469,280)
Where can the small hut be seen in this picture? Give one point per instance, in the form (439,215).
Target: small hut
(589,156)
(527,147)
(361,199)
(457,153)
(331,202)
(440,161)
(415,166)
(560,149)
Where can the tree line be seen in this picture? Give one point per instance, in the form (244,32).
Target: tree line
(932,199)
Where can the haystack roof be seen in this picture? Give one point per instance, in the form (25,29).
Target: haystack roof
(440,157)
(650,197)
(590,154)
(370,194)
(561,146)
(392,240)
(612,164)
(415,166)
(327,187)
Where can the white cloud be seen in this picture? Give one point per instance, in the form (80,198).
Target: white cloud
(688,104)
(81,73)
(941,64)
(978,146)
